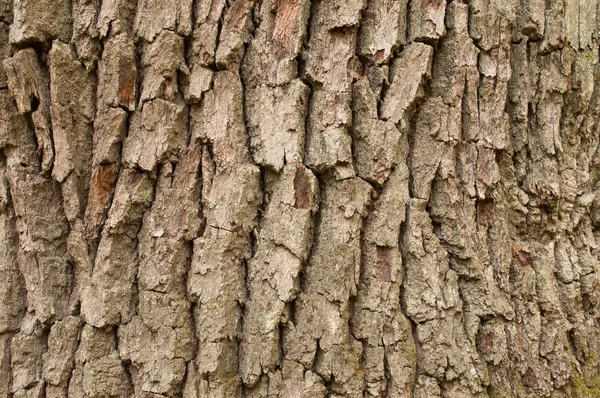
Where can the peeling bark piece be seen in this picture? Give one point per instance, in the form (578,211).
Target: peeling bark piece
(102,187)
(216,279)
(198,82)
(109,131)
(5,366)
(215,283)
(588,15)
(296,202)
(117,14)
(42,125)
(434,122)
(4,52)
(72,111)
(239,215)
(59,360)
(152,16)
(276,118)
(172,221)
(117,73)
(532,18)
(580,18)
(437,306)
(322,337)
(492,111)
(457,217)
(13,297)
(30,88)
(383,30)
(202,47)
(273,271)
(85,31)
(329,144)
(329,51)
(427,20)
(235,33)
(329,62)
(407,73)
(456,62)
(322,309)
(523,338)
(427,270)
(488,174)
(377,318)
(382,227)
(343,206)
(165,315)
(260,345)
(161,62)
(340,14)
(42,230)
(16,136)
(301,383)
(26,351)
(376,142)
(206,32)
(108,299)
(79,255)
(161,370)
(572,22)
(460,364)
(157,132)
(488,19)
(220,121)
(98,371)
(271,56)
(555,27)
(40,20)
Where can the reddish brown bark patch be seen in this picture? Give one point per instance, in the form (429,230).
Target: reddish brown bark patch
(186,175)
(237,15)
(102,188)
(303,195)
(127,77)
(286,28)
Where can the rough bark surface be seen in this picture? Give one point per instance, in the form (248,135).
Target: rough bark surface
(299,198)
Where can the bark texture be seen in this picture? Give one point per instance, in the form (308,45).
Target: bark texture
(299,198)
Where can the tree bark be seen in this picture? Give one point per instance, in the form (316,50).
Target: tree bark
(299,198)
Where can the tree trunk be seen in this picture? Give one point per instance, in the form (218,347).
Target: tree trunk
(296,198)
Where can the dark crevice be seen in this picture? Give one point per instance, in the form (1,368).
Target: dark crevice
(403,306)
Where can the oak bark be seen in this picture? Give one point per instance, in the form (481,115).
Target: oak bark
(299,198)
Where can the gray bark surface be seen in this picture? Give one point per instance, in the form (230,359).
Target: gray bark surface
(299,198)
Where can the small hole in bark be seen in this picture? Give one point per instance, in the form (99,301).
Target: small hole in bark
(35,103)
